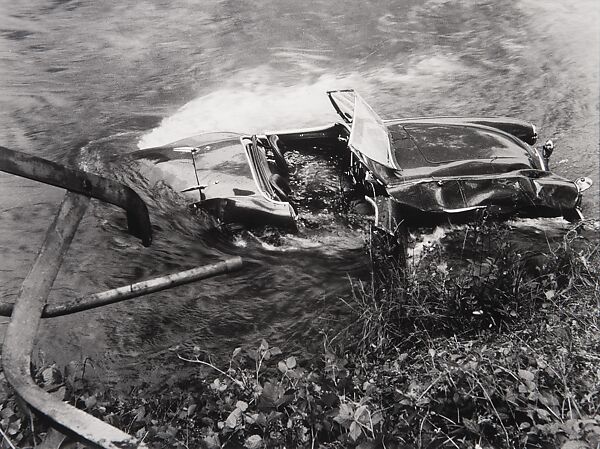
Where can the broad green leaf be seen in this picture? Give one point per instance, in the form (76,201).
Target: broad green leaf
(543,414)
(282,366)
(275,351)
(549,400)
(362,414)
(271,392)
(376,418)
(261,420)
(50,375)
(212,441)
(254,442)
(291,362)
(264,345)
(471,425)
(7,412)
(90,402)
(251,419)
(140,413)
(345,415)
(527,375)
(14,427)
(355,431)
(60,394)
(232,419)
(218,386)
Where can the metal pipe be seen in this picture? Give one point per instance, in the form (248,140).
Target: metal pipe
(22,329)
(372,202)
(88,184)
(134,290)
(142,288)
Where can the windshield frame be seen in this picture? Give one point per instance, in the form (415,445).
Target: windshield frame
(369,135)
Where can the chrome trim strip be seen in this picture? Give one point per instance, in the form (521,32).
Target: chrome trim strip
(299,130)
(374,204)
(543,162)
(463,209)
(469,177)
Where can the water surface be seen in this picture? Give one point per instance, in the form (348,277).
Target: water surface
(84,82)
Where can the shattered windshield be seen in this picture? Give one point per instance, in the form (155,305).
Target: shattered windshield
(369,135)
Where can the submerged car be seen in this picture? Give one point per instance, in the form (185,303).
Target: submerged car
(407,171)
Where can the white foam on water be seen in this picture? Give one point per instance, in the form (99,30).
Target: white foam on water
(240,242)
(427,240)
(253,101)
(268,246)
(252,106)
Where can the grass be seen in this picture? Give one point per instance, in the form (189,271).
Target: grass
(493,287)
(484,345)
(499,349)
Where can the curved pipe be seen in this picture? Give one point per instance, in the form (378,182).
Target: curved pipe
(372,202)
(88,184)
(22,329)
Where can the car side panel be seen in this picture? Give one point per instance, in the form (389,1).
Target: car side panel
(525,192)
(215,176)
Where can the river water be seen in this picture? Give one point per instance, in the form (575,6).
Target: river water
(84,82)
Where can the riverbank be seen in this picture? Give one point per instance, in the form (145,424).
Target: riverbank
(478,344)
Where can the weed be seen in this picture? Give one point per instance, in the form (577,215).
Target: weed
(497,349)
(495,286)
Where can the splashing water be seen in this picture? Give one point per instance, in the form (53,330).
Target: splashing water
(250,108)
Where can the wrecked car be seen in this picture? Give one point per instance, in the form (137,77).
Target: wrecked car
(411,170)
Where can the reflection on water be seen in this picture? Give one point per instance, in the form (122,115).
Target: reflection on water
(84,82)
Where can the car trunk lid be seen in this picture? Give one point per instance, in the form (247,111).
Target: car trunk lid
(446,143)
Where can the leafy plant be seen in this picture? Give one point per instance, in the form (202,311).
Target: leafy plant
(497,350)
